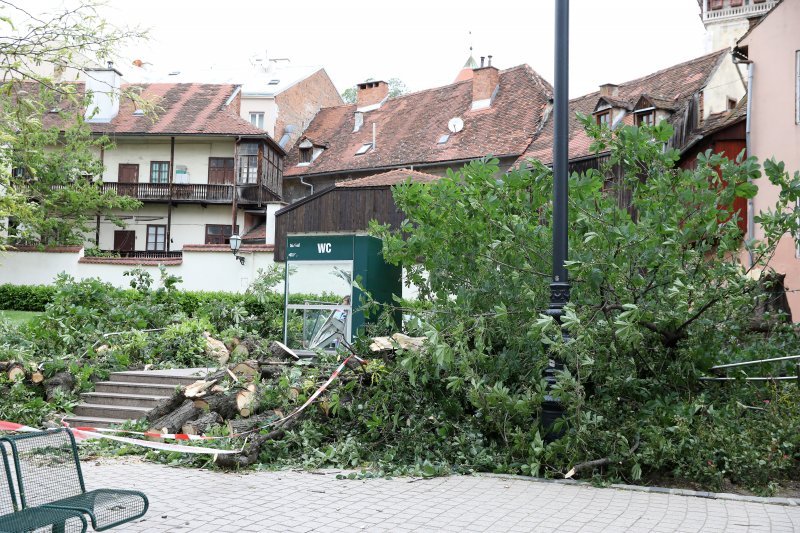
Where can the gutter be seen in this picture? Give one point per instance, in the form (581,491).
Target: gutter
(751,224)
(310,185)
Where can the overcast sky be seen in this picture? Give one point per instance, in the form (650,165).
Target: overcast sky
(422,42)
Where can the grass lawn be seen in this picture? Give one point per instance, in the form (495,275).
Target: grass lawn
(19,317)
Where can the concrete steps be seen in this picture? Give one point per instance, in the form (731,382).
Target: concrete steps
(129,395)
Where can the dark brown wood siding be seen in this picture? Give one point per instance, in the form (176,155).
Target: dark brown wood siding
(339,209)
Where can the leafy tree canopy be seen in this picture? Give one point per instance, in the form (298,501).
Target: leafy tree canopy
(48,156)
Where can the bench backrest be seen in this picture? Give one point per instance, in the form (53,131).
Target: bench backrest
(8,495)
(46,465)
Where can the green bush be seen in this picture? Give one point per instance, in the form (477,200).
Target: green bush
(25,297)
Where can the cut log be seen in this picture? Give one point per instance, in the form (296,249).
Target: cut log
(37,377)
(240,425)
(15,371)
(174,421)
(201,424)
(246,369)
(278,349)
(62,381)
(198,389)
(240,353)
(219,402)
(247,400)
(165,406)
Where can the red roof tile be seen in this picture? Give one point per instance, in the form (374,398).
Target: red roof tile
(183,109)
(387,179)
(676,85)
(409,127)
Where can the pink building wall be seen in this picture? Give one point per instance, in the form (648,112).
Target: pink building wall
(772,47)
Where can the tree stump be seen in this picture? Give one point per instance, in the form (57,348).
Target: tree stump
(62,381)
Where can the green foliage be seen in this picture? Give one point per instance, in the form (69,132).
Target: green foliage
(183,344)
(25,297)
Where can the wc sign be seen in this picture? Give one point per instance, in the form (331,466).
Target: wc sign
(324,247)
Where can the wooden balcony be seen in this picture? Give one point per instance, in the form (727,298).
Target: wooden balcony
(192,193)
(727,11)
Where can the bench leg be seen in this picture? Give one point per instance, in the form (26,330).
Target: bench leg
(60,527)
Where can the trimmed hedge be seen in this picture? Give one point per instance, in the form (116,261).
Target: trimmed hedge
(25,297)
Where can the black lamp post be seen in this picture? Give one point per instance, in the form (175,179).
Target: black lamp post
(552,409)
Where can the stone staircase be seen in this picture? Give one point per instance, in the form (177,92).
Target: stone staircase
(129,395)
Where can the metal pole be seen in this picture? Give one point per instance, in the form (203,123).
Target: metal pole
(552,409)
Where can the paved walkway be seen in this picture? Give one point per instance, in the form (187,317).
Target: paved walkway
(193,500)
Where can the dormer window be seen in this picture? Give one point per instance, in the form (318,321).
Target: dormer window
(646,118)
(309,151)
(306,154)
(604,118)
(364,149)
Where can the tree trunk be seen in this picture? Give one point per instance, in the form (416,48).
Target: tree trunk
(247,400)
(241,425)
(201,424)
(281,351)
(165,406)
(249,454)
(219,402)
(174,421)
(246,370)
(62,381)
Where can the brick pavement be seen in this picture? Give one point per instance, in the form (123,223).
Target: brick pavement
(186,500)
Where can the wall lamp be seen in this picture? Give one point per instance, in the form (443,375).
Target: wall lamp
(236,244)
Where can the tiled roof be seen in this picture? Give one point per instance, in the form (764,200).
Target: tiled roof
(183,109)
(258,233)
(717,122)
(675,85)
(408,127)
(387,179)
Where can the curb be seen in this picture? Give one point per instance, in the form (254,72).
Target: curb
(791,502)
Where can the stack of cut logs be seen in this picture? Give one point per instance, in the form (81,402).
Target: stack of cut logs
(227,396)
(27,371)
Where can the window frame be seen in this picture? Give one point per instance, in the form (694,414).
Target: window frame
(641,118)
(306,155)
(604,114)
(154,169)
(152,245)
(222,170)
(259,119)
(212,238)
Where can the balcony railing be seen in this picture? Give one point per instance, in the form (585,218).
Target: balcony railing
(749,10)
(141,254)
(212,193)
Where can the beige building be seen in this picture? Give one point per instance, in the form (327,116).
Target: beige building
(771,49)
(201,172)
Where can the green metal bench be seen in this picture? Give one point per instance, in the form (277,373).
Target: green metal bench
(48,475)
(38,519)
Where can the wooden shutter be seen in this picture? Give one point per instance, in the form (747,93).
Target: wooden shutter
(220,170)
(124,240)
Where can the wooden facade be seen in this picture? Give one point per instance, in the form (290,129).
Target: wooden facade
(336,210)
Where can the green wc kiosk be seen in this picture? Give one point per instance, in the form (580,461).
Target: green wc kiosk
(323,304)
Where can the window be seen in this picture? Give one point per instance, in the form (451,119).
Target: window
(219,233)
(156,238)
(306,155)
(646,119)
(604,119)
(364,149)
(257,119)
(731,104)
(159,171)
(248,163)
(220,170)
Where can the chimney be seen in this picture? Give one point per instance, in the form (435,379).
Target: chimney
(609,89)
(102,85)
(485,82)
(371,94)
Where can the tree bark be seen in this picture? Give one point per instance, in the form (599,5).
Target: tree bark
(201,424)
(280,350)
(165,406)
(249,454)
(220,402)
(62,381)
(241,425)
(174,421)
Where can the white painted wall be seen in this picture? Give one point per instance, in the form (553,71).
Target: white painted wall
(261,104)
(188,223)
(194,155)
(725,83)
(208,271)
